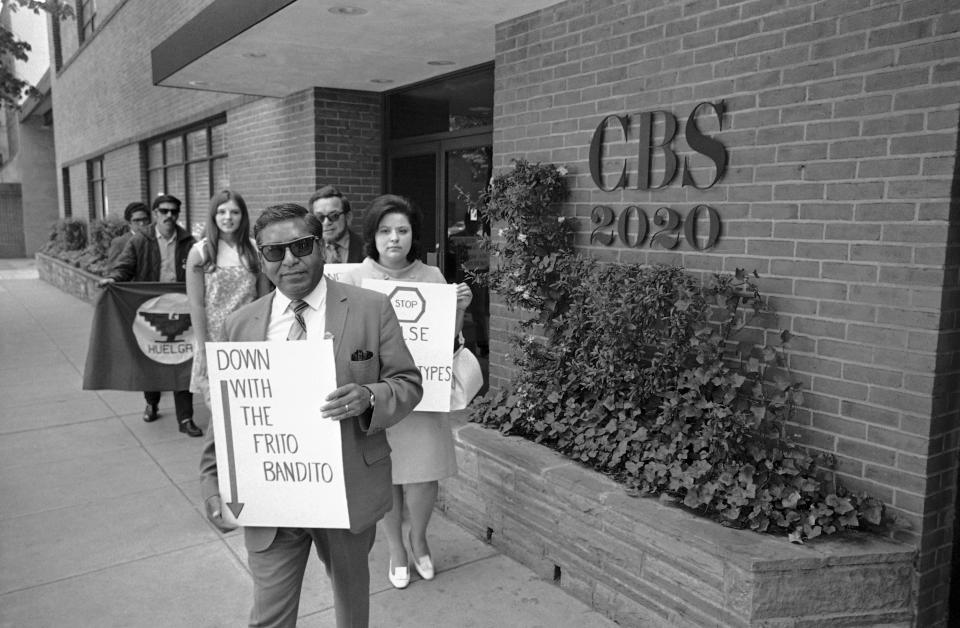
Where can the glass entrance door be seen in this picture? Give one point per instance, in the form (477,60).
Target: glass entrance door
(436,175)
(467,171)
(439,138)
(415,177)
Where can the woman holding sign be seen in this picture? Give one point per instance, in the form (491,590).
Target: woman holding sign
(422,444)
(223,274)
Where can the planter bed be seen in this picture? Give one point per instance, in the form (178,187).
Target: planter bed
(642,562)
(637,560)
(68,278)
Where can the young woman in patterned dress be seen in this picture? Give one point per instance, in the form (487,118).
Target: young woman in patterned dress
(223,273)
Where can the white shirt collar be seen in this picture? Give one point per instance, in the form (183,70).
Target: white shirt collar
(160,236)
(315,299)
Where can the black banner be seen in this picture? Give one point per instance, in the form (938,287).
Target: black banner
(140,339)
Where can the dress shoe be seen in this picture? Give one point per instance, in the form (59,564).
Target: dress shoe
(399,577)
(423,564)
(150,413)
(188,427)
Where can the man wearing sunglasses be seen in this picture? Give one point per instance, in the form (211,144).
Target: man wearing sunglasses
(160,254)
(378,385)
(340,243)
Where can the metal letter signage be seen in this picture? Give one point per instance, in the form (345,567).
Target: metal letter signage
(705,145)
(672,227)
(596,147)
(647,146)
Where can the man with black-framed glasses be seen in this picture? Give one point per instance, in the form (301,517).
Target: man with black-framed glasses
(160,254)
(340,244)
(137,215)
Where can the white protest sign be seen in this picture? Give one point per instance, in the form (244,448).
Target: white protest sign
(427,313)
(279,462)
(338,272)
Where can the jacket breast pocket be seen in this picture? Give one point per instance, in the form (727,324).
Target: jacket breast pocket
(365,371)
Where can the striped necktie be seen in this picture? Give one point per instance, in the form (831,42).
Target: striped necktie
(332,253)
(298,328)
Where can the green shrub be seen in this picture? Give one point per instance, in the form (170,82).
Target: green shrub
(85,246)
(535,242)
(648,375)
(66,234)
(102,233)
(104,230)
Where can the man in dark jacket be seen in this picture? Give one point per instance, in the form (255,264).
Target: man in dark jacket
(137,215)
(340,244)
(160,254)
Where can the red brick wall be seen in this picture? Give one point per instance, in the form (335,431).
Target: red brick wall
(282,150)
(122,168)
(270,150)
(104,95)
(348,141)
(841,127)
(279,150)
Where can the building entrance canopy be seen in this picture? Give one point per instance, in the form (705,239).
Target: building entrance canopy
(278,47)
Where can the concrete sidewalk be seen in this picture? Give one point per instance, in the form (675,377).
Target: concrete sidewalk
(100,521)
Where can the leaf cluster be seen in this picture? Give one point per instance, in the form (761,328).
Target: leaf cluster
(84,245)
(534,243)
(654,377)
(12,88)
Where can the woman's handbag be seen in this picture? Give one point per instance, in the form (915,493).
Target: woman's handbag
(467,378)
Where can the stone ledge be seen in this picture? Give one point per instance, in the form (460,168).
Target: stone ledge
(642,562)
(69,279)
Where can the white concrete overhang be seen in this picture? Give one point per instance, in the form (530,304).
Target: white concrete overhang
(41,102)
(278,47)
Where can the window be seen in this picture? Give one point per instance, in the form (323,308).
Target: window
(57,46)
(96,188)
(457,102)
(190,164)
(86,19)
(67,200)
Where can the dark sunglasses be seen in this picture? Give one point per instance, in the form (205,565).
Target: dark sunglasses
(331,217)
(275,252)
(165,210)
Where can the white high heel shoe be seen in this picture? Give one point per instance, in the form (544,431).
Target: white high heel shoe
(423,564)
(399,577)
(424,567)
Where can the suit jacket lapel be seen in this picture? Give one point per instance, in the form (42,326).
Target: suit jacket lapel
(336,313)
(260,318)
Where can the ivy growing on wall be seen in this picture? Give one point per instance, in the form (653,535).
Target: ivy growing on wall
(651,375)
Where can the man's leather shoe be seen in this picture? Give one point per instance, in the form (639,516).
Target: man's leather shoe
(150,414)
(188,427)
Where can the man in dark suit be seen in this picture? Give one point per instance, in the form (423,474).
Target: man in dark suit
(378,385)
(340,244)
(159,254)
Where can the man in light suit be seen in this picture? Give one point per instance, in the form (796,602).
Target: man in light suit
(378,385)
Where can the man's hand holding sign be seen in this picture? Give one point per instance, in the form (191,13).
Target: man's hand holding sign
(281,458)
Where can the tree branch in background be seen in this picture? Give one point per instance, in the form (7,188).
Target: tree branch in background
(13,89)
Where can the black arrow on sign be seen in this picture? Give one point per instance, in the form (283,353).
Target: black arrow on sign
(236,505)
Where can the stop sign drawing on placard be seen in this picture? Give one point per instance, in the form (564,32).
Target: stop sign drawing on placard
(408,303)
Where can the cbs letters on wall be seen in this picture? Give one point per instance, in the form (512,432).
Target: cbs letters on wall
(141,338)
